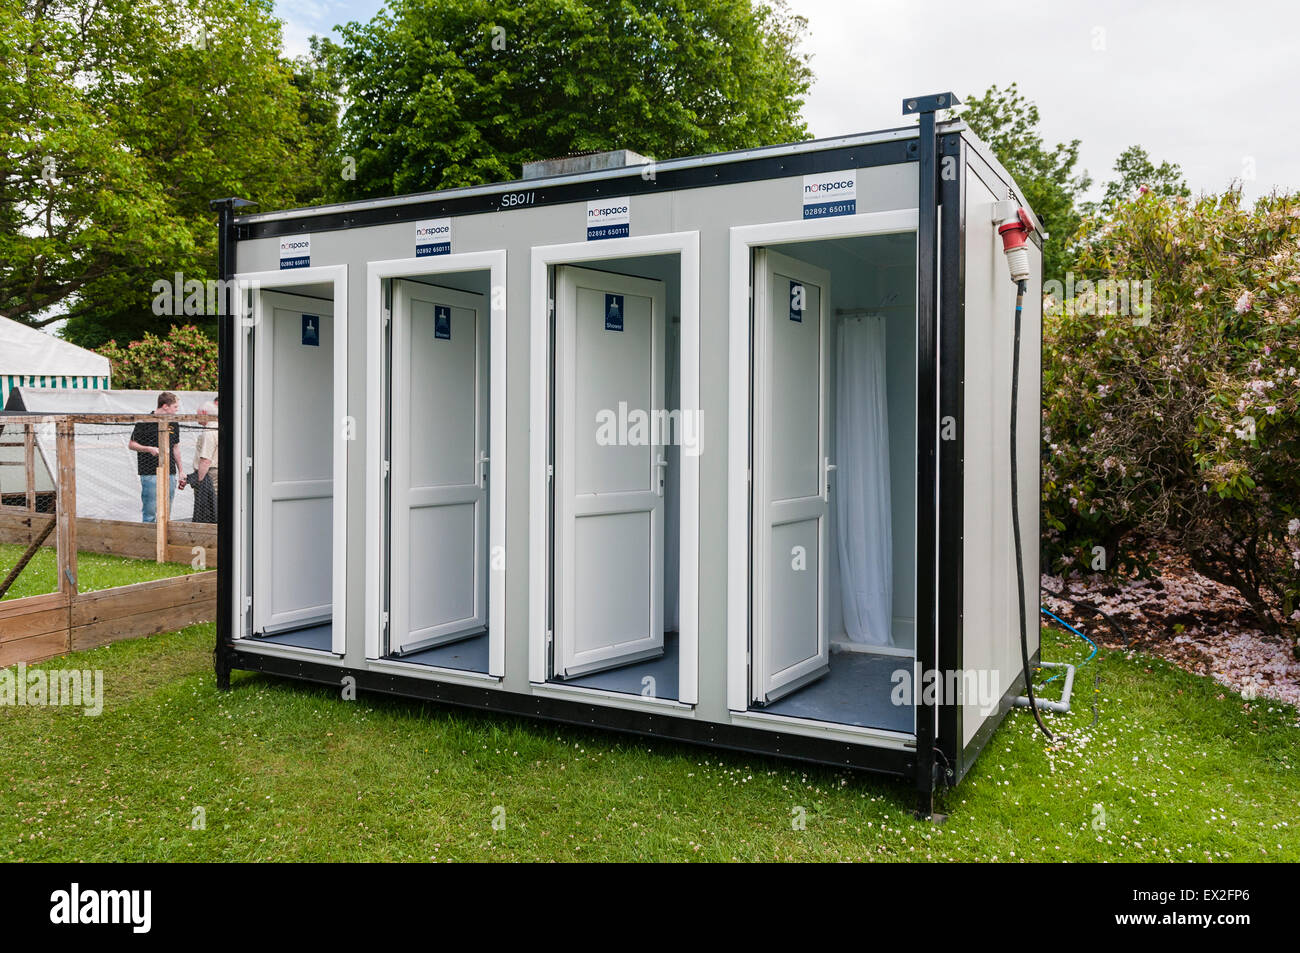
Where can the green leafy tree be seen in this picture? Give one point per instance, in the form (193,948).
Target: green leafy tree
(1009,124)
(1179,418)
(445,93)
(320,101)
(119,121)
(186,359)
(1135,175)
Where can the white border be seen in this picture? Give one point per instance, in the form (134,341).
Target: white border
(433,673)
(302,653)
(337,275)
(853,734)
(493,262)
(742,239)
(612,699)
(687,245)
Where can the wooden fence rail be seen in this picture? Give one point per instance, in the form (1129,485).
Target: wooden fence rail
(41,627)
(119,537)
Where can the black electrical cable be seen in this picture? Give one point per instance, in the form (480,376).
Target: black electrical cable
(1015,510)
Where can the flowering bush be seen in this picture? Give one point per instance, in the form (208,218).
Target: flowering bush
(184,360)
(1179,418)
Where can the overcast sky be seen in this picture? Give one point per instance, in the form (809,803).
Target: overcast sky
(1213,86)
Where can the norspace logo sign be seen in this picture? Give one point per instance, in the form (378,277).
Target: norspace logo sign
(433,237)
(295,251)
(830,193)
(608,218)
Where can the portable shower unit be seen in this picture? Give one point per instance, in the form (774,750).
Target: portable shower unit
(712,449)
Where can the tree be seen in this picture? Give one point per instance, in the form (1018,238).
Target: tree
(320,97)
(1008,123)
(119,120)
(444,93)
(1179,418)
(1137,175)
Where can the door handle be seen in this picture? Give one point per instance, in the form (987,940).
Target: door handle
(661,465)
(482,470)
(827,468)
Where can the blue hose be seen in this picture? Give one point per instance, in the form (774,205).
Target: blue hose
(1091,655)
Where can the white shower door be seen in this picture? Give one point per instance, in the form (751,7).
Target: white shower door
(609,482)
(791,475)
(293,463)
(439,461)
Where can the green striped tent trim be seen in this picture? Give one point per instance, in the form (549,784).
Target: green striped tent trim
(75,382)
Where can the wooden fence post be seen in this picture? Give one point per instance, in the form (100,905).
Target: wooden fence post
(67,509)
(162,511)
(29,464)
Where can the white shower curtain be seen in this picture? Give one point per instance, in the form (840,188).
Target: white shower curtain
(862,478)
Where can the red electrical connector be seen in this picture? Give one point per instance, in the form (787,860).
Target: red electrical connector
(1015,234)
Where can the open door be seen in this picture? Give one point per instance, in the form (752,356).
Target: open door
(791,473)
(609,480)
(439,466)
(293,457)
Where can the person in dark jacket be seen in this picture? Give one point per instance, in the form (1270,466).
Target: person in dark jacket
(144,441)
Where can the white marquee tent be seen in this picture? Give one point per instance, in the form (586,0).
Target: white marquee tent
(29,357)
(107,484)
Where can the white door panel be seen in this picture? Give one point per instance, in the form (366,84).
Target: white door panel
(791,435)
(439,462)
(293,462)
(609,360)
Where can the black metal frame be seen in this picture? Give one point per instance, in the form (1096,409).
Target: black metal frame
(927,429)
(226,342)
(942,157)
(952,404)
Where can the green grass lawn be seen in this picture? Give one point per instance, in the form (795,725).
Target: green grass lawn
(1182,769)
(94,571)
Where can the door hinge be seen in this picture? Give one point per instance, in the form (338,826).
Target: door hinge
(248,464)
(388,316)
(248,604)
(387,469)
(550,307)
(383,621)
(550,472)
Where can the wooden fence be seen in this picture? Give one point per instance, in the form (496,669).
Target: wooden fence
(43,626)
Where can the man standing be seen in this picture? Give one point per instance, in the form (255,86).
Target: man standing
(204,476)
(144,441)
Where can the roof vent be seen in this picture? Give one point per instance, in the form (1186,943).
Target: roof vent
(583,162)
